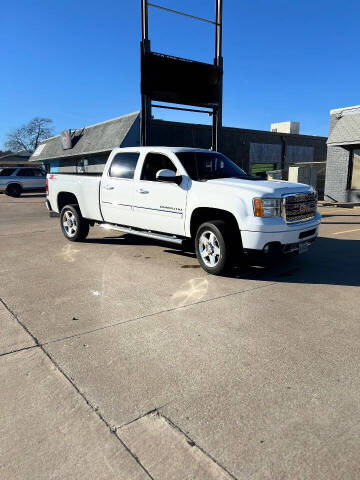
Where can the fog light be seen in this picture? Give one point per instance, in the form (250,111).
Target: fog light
(267,248)
(272,247)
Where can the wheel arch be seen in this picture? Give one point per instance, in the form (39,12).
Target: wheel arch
(203,214)
(15,182)
(66,198)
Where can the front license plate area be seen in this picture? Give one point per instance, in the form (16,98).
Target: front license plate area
(304,247)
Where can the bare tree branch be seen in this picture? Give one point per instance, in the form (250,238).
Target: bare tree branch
(28,136)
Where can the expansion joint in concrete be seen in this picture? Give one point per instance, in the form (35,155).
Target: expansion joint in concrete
(69,379)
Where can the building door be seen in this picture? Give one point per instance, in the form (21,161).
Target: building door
(355,176)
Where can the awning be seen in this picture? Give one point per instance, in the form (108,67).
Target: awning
(346,131)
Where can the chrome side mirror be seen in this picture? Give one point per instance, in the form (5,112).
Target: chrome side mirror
(166,175)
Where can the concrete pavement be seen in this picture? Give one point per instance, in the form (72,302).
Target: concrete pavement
(149,364)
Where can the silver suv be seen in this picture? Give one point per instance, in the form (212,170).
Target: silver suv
(15,180)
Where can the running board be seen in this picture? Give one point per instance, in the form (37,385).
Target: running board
(142,233)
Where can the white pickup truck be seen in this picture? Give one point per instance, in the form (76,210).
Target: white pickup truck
(178,194)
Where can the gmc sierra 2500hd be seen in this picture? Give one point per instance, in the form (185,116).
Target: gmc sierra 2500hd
(176,194)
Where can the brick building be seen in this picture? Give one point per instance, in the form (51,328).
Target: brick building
(342,181)
(254,150)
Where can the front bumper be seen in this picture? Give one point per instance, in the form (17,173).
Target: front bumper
(287,241)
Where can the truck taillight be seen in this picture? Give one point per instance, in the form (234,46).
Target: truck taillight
(47,186)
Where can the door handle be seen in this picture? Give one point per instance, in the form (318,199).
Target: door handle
(142,190)
(108,187)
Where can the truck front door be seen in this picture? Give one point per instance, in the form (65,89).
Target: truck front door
(159,206)
(117,189)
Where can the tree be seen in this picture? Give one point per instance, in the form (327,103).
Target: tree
(28,136)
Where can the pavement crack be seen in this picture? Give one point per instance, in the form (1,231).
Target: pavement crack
(154,410)
(94,408)
(148,315)
(18,350)
(37,343)
(192,443)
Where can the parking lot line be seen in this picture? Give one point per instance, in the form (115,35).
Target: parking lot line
(347,231)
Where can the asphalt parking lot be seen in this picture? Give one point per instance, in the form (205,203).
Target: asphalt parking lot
(122,359)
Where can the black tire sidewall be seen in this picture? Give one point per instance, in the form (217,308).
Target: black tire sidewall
(218,227)
(13,190)
(83,224)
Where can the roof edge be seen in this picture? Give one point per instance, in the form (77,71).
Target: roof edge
(43,159)
(137,112)
(343,109)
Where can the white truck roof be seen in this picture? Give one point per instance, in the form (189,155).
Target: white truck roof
(160,149)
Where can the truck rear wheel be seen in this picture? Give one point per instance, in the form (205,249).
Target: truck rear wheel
(212,246)
(74,226)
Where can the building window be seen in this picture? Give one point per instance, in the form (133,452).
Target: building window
(82,165)
(355,173)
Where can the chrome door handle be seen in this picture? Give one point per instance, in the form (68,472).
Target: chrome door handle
(142,190)
(108,187)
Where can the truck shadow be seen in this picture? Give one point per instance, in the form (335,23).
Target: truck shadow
(328,262)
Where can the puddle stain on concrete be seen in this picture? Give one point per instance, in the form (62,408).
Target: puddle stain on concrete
(68,252)
(191,291)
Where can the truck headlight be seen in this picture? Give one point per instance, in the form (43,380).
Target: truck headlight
(267,207)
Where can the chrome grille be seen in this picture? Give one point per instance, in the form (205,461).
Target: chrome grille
(299,207)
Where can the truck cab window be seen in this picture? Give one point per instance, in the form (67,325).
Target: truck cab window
(124,165)
(153,163)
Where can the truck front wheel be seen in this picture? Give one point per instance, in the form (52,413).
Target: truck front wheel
(74,226)
(212,246)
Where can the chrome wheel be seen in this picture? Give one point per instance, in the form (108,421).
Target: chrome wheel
(70,224)
(209,249)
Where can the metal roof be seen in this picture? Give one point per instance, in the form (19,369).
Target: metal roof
(98,138)
(346,131)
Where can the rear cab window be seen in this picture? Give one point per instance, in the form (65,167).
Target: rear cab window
(123,165)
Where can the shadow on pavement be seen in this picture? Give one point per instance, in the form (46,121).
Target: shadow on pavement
(328,262)
(33,195)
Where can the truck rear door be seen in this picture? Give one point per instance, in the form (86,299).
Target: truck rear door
(117,189)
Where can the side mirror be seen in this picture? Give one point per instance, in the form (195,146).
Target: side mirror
(166,175)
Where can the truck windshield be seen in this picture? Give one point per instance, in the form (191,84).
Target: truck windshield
(209,165)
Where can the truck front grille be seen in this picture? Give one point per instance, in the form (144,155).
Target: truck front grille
(299,207)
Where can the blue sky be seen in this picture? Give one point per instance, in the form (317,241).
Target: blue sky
(78,62)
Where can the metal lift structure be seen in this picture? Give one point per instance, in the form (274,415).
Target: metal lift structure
(180,81)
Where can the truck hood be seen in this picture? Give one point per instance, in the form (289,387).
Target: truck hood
(261,187)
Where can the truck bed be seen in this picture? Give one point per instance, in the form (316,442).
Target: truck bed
(86,188)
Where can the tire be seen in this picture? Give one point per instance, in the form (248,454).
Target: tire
(212,246)
(14,190)
(74,227)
